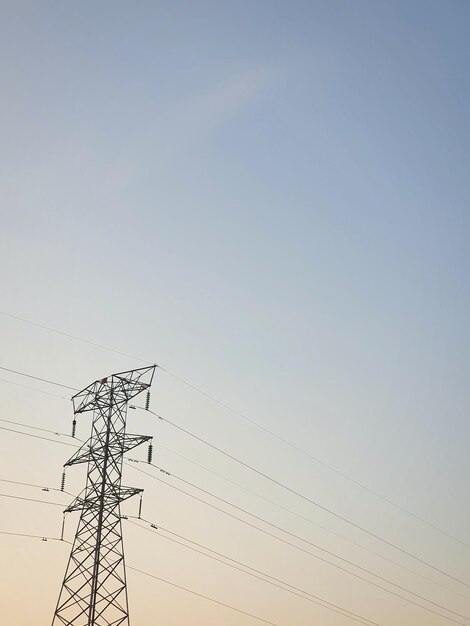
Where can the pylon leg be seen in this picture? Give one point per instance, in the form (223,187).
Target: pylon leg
(94,590)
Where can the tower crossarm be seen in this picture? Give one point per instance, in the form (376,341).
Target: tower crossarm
(125,385)
(120,444)
(132,441)
(93,502)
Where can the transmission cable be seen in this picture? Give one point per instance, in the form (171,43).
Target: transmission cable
(128,459)
(311,456)
(70,336)
(417,517)
(245,417)
(42,537)
(309,521)
(43,380)
(167,582)
(19,432)
(266,532)
(293,545)
(7,495)
(44,430)
(314,545)
(275,482)
(302,496)
(47,393)
(434,582)
(200,595)
(306,595)
(69,444)
(35,486)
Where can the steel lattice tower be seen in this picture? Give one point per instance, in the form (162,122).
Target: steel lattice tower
(94,591)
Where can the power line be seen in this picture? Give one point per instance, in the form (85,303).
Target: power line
(200,595)
(311,456)
(249,491)
(44,430)
(280,484)
(304,497)
(248,419)
(282,540)
(47,393)
(318,547)
(314,545)
(19,432)
(42,487)
(60,332)
(5,532)
(43,380)
(277,582)
(163,580)
(306,519)
(7,495)
(265,476)
(261,519)
(430,525)
(437,569)
(267,533)
(293,545)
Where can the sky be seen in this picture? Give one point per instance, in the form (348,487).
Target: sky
(270,200)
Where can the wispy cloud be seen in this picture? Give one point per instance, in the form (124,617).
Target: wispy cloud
(230,97)
(206,110)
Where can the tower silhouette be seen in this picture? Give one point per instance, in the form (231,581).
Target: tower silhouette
(94,589)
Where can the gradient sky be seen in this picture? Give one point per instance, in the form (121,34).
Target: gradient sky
(270,199)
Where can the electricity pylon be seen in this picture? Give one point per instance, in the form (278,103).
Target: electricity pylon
(94,590)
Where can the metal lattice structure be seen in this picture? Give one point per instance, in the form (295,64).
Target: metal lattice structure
(94,590)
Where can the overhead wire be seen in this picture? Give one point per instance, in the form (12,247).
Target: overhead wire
(262,497)
(42,537)
(311,456)
(163,580)
(8,495)
(293,545)
(265,532)
(312,544)
(309,521)
(160,417)
(70,336)
(261,519)
(248,419)
(306,595)
(304,497)
(253,469)
(43,380)
(44,430)
(36,486)
(253,493)
(269,478)
(200,595)
(47,393)
(19,432)
(277,538)
(272,535)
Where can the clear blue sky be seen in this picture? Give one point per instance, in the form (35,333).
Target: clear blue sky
(270,199)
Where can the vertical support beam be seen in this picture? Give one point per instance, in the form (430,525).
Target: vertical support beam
(94,589)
